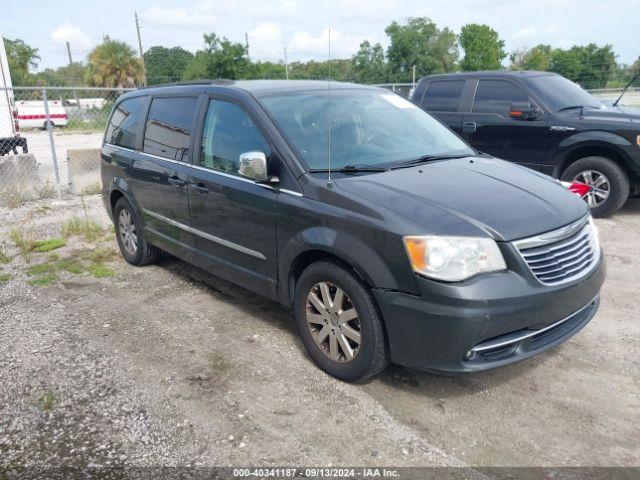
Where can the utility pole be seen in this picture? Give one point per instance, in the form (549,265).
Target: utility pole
(414,76)
(286,65)
(246,43)
(144,70)
(73,79)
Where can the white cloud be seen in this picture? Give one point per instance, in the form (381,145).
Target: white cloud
(180,18)
(305,44)
(524,33)
(79,42)
(266,41)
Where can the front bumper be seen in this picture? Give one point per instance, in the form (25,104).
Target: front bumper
(486,322)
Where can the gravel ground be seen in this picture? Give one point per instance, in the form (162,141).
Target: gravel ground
(169,366)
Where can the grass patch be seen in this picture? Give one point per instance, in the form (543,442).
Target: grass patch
(86,228)
(44,280)
(100,270)
(71,266)
(5,277)
(41,269)
(24,241)
(4,258)
(48,245)
(92,189)
(100,255)
(47,401)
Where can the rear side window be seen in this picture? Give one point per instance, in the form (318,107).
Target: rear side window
(443,96)
(124,121)
(229,132)
(496,96)
(168,130)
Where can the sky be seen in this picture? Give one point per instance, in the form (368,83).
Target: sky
(303,26)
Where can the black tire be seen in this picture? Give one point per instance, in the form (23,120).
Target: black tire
(46,124)
(145,253)
(373,353)
(614,173)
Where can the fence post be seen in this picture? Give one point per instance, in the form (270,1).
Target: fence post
(51,142)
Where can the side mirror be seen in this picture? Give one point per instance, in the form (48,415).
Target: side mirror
(523,111)
(253,165)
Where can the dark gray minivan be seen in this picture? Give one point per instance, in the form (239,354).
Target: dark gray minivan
(387,235)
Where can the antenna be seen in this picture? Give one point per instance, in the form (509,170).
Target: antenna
(329,112)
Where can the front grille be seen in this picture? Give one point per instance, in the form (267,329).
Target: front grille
(562,255)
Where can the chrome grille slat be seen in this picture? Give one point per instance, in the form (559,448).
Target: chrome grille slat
(566,262)
(546,251)
(569,271)
(583,245)
(564,257)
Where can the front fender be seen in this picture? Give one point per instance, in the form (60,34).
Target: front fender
(348,248)
(598,139)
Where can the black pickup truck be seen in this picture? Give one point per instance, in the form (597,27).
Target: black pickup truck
(543,121)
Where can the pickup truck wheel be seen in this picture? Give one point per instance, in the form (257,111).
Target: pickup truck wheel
(130,236)
(339,323)
(608,182)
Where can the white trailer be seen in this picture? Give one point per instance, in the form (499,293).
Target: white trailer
(10,138)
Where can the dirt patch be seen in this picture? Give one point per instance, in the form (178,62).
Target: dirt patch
(172,366)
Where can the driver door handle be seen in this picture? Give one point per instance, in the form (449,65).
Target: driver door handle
(469,127)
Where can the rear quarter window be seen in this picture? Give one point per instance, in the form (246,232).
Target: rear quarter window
(443,95)
(124,121)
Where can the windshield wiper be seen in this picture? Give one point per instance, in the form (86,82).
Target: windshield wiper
(570,107)
(361,167)
(426,158)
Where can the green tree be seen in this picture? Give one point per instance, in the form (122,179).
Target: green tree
(536,58)
(114,64)
(590,66)
(166,64)
(369,64)
(66,76)
(421,43)
(220,58)
(483,48)
(21,59)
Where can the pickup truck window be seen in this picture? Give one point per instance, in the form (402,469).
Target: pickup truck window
(443,96)
(496,96)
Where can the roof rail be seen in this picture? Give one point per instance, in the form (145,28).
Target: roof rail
(220,81)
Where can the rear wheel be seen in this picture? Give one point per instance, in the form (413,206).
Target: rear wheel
(46,124)
(130,236)
(339,323)
(607,181)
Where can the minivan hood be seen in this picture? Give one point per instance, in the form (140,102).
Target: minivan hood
(463,196)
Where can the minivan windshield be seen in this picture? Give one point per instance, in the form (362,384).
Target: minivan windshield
(364,127)
(559,93)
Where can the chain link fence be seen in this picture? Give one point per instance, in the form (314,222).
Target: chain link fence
(50,138)
(50,141)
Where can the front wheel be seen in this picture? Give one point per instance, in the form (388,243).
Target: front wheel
(608,184)
(339,323)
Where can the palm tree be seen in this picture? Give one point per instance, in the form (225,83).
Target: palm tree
(114,64)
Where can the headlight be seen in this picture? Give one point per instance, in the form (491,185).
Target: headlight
(453,259)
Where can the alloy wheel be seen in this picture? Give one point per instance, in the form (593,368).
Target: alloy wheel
(127,229)
(333,321)
(599,187)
